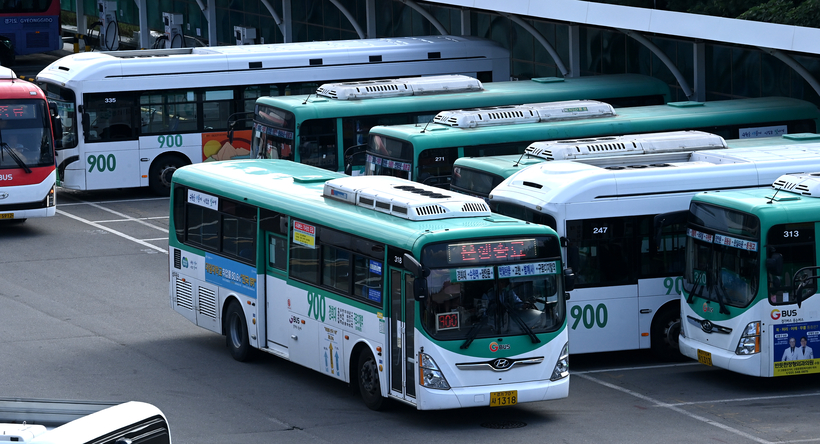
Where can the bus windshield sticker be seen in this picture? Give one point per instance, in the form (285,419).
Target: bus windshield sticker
(521,270)
(471,274)
(375,267)
(735,243)
(304,234)
(698,235)
(763,131)
(392,164)
(203,200)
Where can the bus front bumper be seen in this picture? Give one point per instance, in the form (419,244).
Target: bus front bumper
(462,397)
(745,364)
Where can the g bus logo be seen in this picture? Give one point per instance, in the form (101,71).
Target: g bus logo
(494,346)
(776,314)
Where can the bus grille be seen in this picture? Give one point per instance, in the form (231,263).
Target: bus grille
(207,302)
(430,209)
(184,295)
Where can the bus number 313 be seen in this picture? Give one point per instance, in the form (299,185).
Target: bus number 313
(591,316)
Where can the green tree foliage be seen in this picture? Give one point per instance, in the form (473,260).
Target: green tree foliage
(786,12)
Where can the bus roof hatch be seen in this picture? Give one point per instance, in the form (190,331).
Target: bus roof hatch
(413,86)
(403,198)
(610,146)
(529,113)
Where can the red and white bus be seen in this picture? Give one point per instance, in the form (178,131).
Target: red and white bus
(27,171)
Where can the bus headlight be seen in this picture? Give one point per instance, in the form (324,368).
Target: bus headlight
(561,369)
(749,343)
(50,198)
(430,375)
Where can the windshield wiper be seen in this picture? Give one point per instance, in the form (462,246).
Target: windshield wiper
(521,323)
(474,331)
(4,147)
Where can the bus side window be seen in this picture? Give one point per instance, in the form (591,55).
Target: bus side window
(668,259)
(605,251)
(794,243)
(111,116)
(317,143)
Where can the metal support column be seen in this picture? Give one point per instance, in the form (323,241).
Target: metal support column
(797,67)
(350,18)
(466,27)
(558,62)
(275,16)
(699,49)
(574,51)
(82,27)
(684,85)
(213,35)
(145,31)
(287,21)
(370,13)
(426,15)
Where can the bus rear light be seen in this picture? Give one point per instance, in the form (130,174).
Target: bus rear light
(749,343)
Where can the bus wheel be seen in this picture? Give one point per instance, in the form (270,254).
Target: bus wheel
(236,332)
(665,332)
(369,385)
(161,171)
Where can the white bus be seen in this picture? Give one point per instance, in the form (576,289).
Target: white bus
(628,267)
(405,290)
(131,118)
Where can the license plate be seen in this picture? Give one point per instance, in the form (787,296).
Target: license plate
(499,399)
(7,216)
(704,357)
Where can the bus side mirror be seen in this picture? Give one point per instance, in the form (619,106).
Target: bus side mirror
(569,280)
(662,221)
(86,125)
(805,284)
(420,273)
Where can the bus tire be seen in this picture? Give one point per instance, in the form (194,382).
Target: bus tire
(368,379)
(161,172)
(665,332)
(236,332)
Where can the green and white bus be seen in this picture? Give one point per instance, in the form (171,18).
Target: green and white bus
(404,290)
(426,153)
(751,271)
(330,129)
(477,176)
(626,250)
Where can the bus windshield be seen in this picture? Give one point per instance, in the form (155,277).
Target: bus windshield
(273,134)
(63,98)
(474,182)
(722,256)
(388,157)
(493,288)
(24,133)
(25,7)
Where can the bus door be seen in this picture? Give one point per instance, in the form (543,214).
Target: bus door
(402,346)
(111,158)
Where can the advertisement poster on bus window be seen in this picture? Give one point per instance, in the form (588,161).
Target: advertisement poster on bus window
(216,146)
(794,348)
